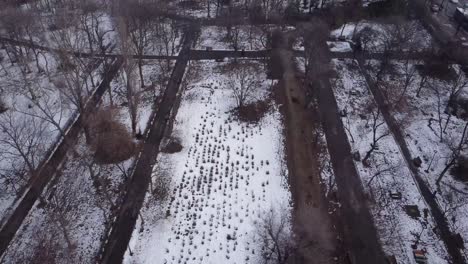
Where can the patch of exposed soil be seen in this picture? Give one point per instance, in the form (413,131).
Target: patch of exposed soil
(312,223)
(190,4)
(3,107)
(173,146)
(252,112)
(111,141)
(460,171)
(437,70)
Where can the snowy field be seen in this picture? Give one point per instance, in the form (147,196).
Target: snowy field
(73,221)
(339,46)
(431,140)
(385,173)
(156,73)
(247,37)
(40,108)
(68,227)
(244,37)
(98,31)
(227,178)
(379,36)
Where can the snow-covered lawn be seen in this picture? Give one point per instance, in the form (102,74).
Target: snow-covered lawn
(339,46)
(79,205)
(248,37)
(386,173)
(420,116)
(206,201)
(40,107)
(99,30)
(71,223)
(376,34)
(155,74)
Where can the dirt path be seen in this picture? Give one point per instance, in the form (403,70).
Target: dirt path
(116,244)
(442,224)
(46,172)
(312,224)
(360,236)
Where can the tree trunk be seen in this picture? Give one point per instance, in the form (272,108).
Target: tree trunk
(342,30)
(447,122)
(421,85)
(364,161)
(455,155)
(140,70)
(111,100)
(441,175)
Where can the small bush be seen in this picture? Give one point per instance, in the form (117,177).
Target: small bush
(460,171)
(173,146)
(3,106)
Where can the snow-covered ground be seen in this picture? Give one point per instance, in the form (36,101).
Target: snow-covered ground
(386,173)
(93,31)
(376,35)
(80,204)
(40,107)
(245,37)
(339,46)
(71,223)
(426,138)
(248,37)
(228,176)
(156,73)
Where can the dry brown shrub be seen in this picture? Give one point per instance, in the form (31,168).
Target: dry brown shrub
(3,106)
(112,143)
(173,146)
(253,112)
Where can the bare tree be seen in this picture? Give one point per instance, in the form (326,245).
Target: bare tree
(58,209)
(382,168)
(409,75)
(42,103)
(12,21)
(399,34)
(23,138)
(166,34)
(460,84)
(234,38)
(74,86)
(33,30)
(422,82)
(377,133)
(104,196)
(131,92)
(231,17)
(259,34)
(316,34)
(276,236)
(363,39)
(136,26)
(242,82)
(456,151)
(127,42)
(440,112)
